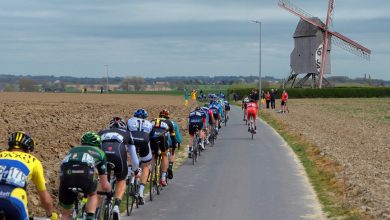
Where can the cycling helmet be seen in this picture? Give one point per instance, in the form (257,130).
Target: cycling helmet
(164,114)
(91,139)
(140,113)
(197,108)
(22,140)
(117,122)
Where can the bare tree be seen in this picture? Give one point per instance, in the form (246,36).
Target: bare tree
(27,85)
(138,83)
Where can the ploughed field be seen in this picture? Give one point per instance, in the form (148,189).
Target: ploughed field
(355,133)
(57,121)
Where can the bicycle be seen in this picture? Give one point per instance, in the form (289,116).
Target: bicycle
(154,185)
(108,203)
(131,191)
(195,146)
(212,136)
(251,126)
(226,119)
(79,203)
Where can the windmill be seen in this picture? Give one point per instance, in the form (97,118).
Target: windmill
(312,38)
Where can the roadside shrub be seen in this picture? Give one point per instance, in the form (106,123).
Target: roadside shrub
(339,92)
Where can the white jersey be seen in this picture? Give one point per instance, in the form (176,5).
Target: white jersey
(139,124)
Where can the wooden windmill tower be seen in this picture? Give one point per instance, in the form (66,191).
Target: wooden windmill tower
(311,38)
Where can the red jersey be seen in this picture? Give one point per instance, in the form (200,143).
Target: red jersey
(251,105)
(284,96)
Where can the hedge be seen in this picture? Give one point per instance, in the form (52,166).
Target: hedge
(339,92)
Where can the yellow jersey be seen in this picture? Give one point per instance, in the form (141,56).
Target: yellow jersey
(18,168)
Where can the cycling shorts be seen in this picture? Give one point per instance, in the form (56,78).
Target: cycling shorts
(141,142)
(283,103)
(215,113)
(192,127)
(13,202)
(76,175)
(227,107)
(117,154)
(251,111)
(158,140)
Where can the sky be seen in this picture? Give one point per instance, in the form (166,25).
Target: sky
(179,37)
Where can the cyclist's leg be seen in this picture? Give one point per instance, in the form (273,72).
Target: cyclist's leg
(191,132)
(164,160)
(171,160)
(145,158)
(121,172)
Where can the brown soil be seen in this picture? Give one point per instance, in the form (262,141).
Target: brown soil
(58,120)
(354,133)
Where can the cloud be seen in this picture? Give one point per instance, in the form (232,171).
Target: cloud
(175,36)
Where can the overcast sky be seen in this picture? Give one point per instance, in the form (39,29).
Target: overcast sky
(178,37)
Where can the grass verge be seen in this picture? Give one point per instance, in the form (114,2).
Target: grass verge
(321,172)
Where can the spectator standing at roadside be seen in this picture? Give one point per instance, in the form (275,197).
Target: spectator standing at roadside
(186,97)
(273,98)
(193,95)
(284,101)
(267,99)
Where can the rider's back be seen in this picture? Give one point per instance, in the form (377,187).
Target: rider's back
(26,167)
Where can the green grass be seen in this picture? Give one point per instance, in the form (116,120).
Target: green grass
(321,172)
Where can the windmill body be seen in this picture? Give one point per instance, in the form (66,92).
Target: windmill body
(308,44)
(311,38)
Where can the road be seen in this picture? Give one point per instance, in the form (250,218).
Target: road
(238,178)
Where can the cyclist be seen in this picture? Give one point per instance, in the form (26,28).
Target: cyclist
(140,128)
(251,109)
(17,167)
(115,140)
(217,113)
(196,121)
(162,127)
(209,122)
(82,168)
(245,101)
(172,149)
(227,109)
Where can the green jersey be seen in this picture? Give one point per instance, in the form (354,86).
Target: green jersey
(92,156)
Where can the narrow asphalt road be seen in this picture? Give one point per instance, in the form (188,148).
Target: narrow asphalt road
(238,178)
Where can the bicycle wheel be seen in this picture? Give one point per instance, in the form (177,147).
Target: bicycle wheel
(157,174)
(194,148)
(251,126)
(151,183)
(128,196)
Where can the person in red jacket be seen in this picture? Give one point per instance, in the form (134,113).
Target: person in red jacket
(267,99)
(284,101)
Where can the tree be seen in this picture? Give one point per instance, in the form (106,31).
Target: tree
(27,85)
(9,88)
(138,83)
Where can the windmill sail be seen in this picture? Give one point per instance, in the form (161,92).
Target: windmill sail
(299,12)
(350,45)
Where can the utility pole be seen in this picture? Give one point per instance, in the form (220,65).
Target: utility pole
(259,22)
(106,78)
